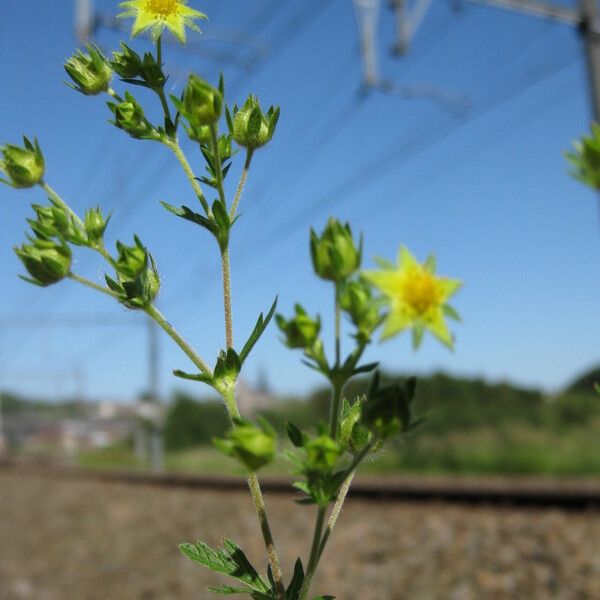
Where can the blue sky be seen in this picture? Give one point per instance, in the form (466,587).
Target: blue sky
(486,190)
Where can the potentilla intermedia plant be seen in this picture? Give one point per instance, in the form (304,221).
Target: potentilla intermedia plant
(407,295)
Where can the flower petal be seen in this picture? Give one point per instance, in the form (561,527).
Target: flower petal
(143,21)
(386,281)
(437,325)
(176,24)
(406,260)
(396,321)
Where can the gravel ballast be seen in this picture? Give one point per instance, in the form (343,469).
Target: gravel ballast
(63,539)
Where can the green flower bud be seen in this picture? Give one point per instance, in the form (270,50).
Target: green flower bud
(301,331)
(253,446)
(202,103)
(199,133)
(127,63)
(138,280)
(321,453)
(91,72)
(24,166)
(252,129)
(46,261)
(356,299)
(95,226)
(387,410)
(334,255)
(129,116)
(585,160)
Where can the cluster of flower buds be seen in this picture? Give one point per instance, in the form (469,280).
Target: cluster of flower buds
(138,281)
(316,459)
(54,222)
(129,116)
(335,256)
(387,410)
(301,331)
(46,260)
(23,165)
(254,446)
(356,300)
(251,128)
(132,68)
(585,159)
(91,72)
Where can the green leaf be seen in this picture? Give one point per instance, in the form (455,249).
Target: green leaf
(261,325)
(191,377)
(293,590)
(228,590)
(189,215)
(295,435)
(229,560)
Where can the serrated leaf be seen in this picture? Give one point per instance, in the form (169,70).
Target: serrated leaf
(229,560)
(259,328)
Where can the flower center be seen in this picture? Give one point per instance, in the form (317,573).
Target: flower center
(419,291)
(163,8)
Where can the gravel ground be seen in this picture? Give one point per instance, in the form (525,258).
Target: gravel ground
(84,540)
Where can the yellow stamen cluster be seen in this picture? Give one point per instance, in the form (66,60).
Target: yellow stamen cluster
(162,8)
(419,290)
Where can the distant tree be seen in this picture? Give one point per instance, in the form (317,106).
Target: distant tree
(192,423)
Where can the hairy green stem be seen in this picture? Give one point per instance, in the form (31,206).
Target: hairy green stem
(92,285)
(226,270)
(160,92)
(261,511)
(242,183)
(341,497)
(338,326)
(153,312)
(174,146)
(314,553)
(335,512)
(214,140)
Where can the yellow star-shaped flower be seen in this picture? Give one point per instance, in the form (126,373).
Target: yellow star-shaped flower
(155,15)
(416,296)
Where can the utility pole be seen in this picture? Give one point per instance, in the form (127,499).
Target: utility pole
(589,27)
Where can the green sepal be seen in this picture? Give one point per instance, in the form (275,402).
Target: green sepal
(259,328)
(229,560)
(451,312)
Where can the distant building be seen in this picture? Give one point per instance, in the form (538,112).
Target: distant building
(250,400)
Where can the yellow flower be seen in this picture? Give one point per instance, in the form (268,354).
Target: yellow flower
(416,296)
(155,15)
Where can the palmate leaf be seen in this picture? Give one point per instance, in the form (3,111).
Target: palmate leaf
(231,561)
(259,328)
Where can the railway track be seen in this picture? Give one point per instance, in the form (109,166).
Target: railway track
(571,494)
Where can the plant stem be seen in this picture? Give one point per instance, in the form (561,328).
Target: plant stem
(341,497)
(153,312)
(242,183)
(174,146)
(92,285)
(114,94)
(335,513)
(314,553)
(226,269)
(54,196)
(338,326)
(214,140)
(334,416)
(259,505)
